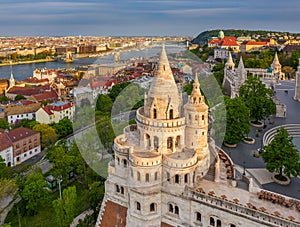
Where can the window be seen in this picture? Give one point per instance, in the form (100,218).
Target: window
(125,162)
(169,142)
(152,207)
(138,176)
(118,160)
(202,117)
(155,176)
(218,223)
(155,142)
(198,216)
(176,210)
(186,178)
(122,190)
(117,188)
(168,176)
(154,113)
(177,179)
(171,114)
(232,225)
(18,159)
(24,142)
(147,177)
(171,208)
(138,206)
(211,221)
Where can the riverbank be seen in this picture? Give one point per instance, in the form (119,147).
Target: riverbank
(27,62)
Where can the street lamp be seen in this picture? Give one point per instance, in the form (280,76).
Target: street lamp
(59,180)
(244,173)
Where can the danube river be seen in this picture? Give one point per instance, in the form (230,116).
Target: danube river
(20,72)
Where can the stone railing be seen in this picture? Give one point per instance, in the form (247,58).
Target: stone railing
(248,212)
(180,162)
(293,130)
(162,123)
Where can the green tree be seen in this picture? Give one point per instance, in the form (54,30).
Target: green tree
(65,208)
(19,97)
(48,134)
(237,120)
(4,124)
(34,193)
(96,193)
(3,98)
(281,155)
(8,187)
(62,162)
(257,98)
(64,127)
(104,104)
(27,123)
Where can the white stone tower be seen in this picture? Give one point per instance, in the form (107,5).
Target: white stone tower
(297,85)
(239,79)
(165,152)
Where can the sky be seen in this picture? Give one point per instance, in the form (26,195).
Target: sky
(144,17)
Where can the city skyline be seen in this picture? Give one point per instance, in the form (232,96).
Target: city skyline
(143,17)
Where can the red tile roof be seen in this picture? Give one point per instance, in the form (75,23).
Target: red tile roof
(256,43)
(50,108)
(46,96)
(20,133)
(28,91)
(5,142)
(35,80)
(214,41)
(114,215)
(229,41)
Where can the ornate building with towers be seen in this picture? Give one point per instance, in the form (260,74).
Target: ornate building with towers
(167,171)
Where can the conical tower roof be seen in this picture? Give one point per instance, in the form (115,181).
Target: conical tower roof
(196,87)
(241,63)
(275,61)
(229,60)
(163,85)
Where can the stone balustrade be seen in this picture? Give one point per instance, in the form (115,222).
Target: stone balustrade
(163,123)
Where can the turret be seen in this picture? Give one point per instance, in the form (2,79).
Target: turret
(163,100)
(196,115)
(229,64)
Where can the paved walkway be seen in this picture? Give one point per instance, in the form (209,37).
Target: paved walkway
(81,217)
(243,154)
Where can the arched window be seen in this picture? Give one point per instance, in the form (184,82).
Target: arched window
(168,176)
(176,210)
(177,179)
(211,221)
(148,142)
(232,225)
(138,206)
(219,224)
(117,188)
(202,117)
(177,141)
(171,208)
(155,175)
(138,176)
(152,207)
(154,113)
(171,114)
(186,178)
(122,190)
(156,142)
(147,177)
(125,162)
(198,216)
(169,142)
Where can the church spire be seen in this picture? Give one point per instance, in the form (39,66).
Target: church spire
(196,92)
(163,95)
(230,63)
(12,79)
(241,63)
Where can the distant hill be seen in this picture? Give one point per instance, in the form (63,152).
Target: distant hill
(203,37)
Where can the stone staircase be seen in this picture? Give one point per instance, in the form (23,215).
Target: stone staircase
(210,175)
